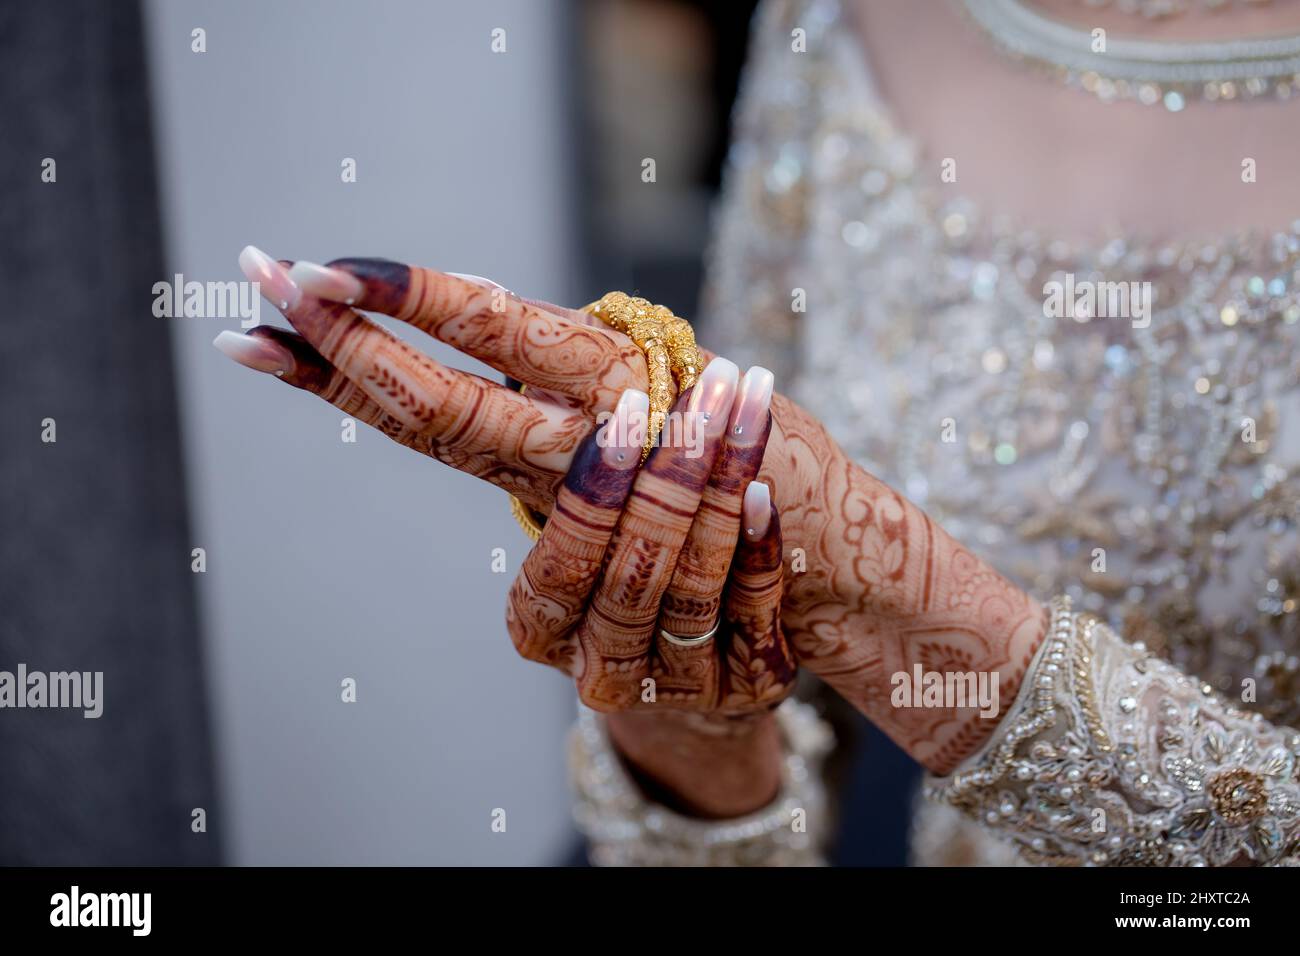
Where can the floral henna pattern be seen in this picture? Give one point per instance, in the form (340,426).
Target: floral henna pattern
(713,749)
(461,417)
(885,589)
(311,372)
(879,588)
(590,363)
(692,603)
(760,666)
(549,596)
(686,677)
(618,635)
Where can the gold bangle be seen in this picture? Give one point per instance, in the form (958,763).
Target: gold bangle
(669,346)
(525,518)
(671,356)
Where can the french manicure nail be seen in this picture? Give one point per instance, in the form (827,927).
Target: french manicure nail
(333,285)
(477,280)
(626,429)
(756,510)
(494,286)
(273,278)
(753,399)
(259,354)
(713,394)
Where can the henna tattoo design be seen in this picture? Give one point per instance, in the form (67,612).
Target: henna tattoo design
(886,589)
(550,593)
(883,587)
(590,363)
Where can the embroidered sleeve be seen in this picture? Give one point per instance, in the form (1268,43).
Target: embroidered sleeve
(624,828)
(1112,757)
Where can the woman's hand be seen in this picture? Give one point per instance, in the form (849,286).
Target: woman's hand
(634,571)
(876,588)
(629,553)
(625,552)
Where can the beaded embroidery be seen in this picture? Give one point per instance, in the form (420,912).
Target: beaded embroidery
(1070,776)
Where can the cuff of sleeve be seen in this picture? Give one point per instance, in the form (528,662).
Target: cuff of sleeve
(1111,756)
(623,828)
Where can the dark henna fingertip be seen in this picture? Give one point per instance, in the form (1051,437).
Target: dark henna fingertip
(736,467)
(763,555)
(591,479)
(387,284)
(310,370)
(686,448)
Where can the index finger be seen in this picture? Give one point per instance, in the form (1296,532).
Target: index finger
(534,345)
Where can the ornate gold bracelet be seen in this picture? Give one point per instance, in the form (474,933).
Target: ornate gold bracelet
(671,356)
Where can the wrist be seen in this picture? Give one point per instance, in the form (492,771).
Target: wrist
(701,765)
(624,828)
(884,590)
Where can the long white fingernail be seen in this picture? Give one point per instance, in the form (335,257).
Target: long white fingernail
(625,431)
(257,353)
(713,394)
(477,280)
(749,414)
(272,278)
(333,285)
(756,510)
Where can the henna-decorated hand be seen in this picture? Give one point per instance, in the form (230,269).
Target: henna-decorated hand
(629,554)
(882,588)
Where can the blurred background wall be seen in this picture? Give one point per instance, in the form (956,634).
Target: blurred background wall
(94,539)
(329,560)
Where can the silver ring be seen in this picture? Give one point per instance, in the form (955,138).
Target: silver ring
(690,641)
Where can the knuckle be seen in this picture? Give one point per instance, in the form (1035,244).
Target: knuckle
(531,640)
(597,700)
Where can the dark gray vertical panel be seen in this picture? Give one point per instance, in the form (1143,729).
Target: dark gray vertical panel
(94,550)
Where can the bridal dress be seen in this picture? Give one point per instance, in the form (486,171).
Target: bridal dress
(1142,479)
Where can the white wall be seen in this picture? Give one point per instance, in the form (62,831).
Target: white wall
(328,560)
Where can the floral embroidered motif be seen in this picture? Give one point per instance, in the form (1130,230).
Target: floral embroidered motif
(1219,787)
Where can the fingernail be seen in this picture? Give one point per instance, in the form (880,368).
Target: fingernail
(477,280)
(756,510)
(713,394)
(333,285)
(625,431)
(489,284)
(259,354)
(753,399)
(273,278)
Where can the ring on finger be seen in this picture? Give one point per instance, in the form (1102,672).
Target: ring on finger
(690,641)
